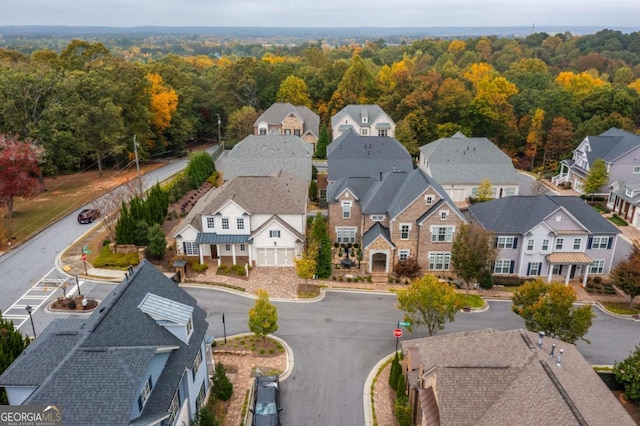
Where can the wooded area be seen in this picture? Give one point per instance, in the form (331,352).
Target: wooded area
(536,97)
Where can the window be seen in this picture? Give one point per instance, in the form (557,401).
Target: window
(225,223)
(509,192)
(377,217)
(263,131)
(173,410)
(559,243)
(439,261)
(196,364)
(577,242)
(444,214)
(296,132)
(404,231)
(240,222)
(191,248)
(506,242)
(534,268)
(364,132)
(636,169)
(442,234)
(403,254)
(365,119)
(274,233)
(559,218)
(556,270)
(530,244)
(346,234)
(597,267)
(545,245)
(346,209)
(628,192)
(383,132)
(502,266)
(600,243)
(200,398)
(287,131)
(243,247)
(227,247)
(144,393)
(189,327)
(428,199)
(211,222)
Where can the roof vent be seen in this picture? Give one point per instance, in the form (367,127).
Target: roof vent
(553,348)
(540,337)
(560,358)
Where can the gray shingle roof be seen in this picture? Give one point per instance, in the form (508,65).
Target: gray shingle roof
(377,230)
(519,214)
(463,160)
(266,155)
(356,112)
(611,145)
(490,377)
(277,112)
(622,191)
(95,380)
(352,155)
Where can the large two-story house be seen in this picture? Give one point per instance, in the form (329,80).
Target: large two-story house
(549,236)
(266,155)
(365,120)
(255,220)
(619,149)
(624,200)
(460,164)
(394,216)
(287,119)
(141,358)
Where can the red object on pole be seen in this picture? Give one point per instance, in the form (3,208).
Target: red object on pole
(397,332)
(84,256)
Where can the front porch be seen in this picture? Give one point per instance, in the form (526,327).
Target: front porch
(567,266)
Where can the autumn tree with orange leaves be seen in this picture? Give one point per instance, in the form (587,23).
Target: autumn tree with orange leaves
(164,102)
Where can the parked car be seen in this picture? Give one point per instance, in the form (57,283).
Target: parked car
(88,215)
(266,403)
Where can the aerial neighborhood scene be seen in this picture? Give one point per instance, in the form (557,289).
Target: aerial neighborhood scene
(248,214)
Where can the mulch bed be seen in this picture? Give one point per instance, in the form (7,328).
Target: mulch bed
(63,305)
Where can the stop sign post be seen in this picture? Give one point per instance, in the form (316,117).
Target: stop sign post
(398,333)
(84,261)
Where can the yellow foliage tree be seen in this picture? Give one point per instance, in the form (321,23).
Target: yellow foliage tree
(457,47)
(164,102)
(478,72)
(294,90)
(635,85)
(534,137)
(580,85)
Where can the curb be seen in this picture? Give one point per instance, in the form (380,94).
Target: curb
(366,394)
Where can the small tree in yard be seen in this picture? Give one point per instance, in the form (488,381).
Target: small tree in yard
(597,177)
(628,375)
(472,253)
(222,386)
(12,343)
(307,265)
(428,302)
(263,317)
(320,235)
(549,308)
(157,242)
(626,274)
(485,191)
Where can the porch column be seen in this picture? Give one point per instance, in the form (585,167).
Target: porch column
(200,253)
(219,259)
(566,278)
(250,250)
(549,274)
(233,253)
(586,274)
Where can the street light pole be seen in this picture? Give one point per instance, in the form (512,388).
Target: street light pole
(29,309)
(135,152)
(78,285)
(220,134)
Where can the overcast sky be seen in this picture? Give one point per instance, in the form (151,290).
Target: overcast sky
(322,13)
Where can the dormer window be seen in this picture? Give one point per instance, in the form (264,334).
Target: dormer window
(144,393)
(628,192)
(174,316)
(365,119)
(428,199)
(189,328)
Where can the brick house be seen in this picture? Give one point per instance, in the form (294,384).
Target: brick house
(287,119)
(365,120)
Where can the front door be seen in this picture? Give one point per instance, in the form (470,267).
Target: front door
(573,271)
(214,251)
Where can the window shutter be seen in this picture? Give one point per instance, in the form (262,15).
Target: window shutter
(511,266)
(493,267)
(590,243)
(528,268)
(140,403)
(184,247)
(495,242)
(150,383)
(515,242)
(609,243)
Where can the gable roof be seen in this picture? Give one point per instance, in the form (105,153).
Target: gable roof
(519,214)
(265,155)
(507,379)
(376,230)
(619,188)
(352,155)
(611,145)
(109,354)
(463,160)
(277,112)
(280,194)
(356,112)
(283,223)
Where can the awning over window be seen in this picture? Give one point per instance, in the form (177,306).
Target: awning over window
(212,238)
(383,126)
(568,259)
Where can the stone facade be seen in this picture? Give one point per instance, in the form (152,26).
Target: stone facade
(292,124)
(337,220)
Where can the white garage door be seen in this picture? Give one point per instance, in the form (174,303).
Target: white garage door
(274,257)
(457,194)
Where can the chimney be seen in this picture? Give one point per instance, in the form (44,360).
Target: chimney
(560,358)
(380,176)
(540,337)
(553,348)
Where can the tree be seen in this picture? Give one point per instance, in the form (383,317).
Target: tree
(294,90)
(628,375)
(549,308)
(407,137)
(472,253)
(240,123)
(320,235)
(263,317)
(626,274)
(18,170)
(323,141)
(596,177)
(429,302)
(157,241)
(485,191)
(164,102)
(307,265)
(12,343)
(534,137)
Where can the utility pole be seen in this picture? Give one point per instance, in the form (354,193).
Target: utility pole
(135,151)
(219,134)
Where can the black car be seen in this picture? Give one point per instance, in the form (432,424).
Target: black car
(88,215)
(266,403)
